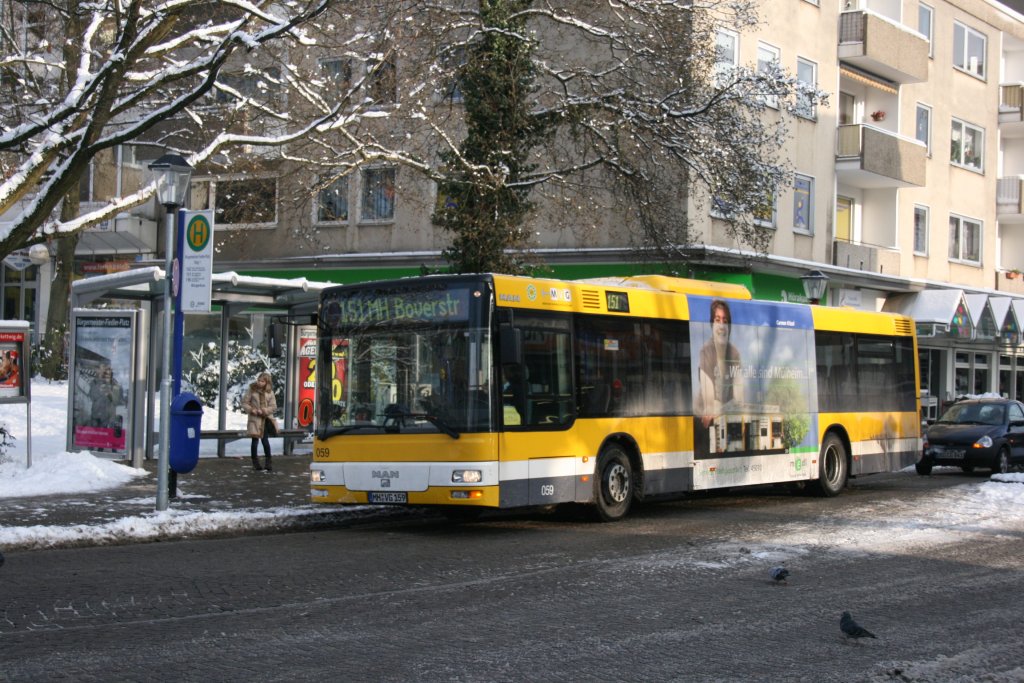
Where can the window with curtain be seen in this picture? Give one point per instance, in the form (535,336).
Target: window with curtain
(964,240)
(332,200)
(378,196)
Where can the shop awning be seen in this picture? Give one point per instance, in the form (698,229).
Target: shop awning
(935,312)
(985,328)
(1006,318)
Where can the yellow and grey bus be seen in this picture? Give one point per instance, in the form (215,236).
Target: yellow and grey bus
(495,391)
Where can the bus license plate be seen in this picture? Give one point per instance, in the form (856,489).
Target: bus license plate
(388,497)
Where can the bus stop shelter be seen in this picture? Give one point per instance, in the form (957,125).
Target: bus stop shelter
(290,302)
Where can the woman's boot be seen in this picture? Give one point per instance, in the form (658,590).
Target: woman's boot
(256,463)
(267,466)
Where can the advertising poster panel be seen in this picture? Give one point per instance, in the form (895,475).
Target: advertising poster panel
(307,377)
(13,375)
(753,386)
(101,380)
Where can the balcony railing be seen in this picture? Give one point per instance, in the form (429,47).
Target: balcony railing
(883,47)
(870,258)
(870,157)
(1011,102)
(1008,194)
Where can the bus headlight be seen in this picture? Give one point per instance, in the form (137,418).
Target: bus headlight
(467,476)
(317,476)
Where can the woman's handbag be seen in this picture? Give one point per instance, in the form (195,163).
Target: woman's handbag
(269,427)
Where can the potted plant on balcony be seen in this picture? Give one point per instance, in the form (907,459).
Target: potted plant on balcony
(878,116)
(1013,274)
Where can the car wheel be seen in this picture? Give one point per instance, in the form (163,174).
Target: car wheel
(923,467)
(832,467)
(613,484)
(1002,461)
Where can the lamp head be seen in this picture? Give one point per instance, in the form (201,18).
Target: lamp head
(38,254)
(171,174)
(815,282)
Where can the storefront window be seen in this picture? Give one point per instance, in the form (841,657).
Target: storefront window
(1006,375)
(19,293)
(962,374)
(981,373)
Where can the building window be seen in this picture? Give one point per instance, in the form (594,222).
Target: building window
(262,86)
(378,197)
(332,200)
(964,240)
(249,202)
(765,214)
(847,107)
(768,58)
(727,46)
(967,146)
(844,218)
(921,230)
(925,23)
(803,204)
(807,74)
(969,50)
(453,62)
(923,126)
(381,81)
(338,73)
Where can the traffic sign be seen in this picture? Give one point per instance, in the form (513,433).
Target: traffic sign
(197,262)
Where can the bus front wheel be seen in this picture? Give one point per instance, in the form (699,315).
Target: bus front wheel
(613,484)
(832,467)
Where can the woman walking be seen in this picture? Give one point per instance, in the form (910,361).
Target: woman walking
(259,403)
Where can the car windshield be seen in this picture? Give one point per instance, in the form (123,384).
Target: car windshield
(975,413)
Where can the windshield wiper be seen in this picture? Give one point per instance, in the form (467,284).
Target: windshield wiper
(397,417)
(349,428)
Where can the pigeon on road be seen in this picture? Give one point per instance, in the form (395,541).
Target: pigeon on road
(779,574)
(852,629)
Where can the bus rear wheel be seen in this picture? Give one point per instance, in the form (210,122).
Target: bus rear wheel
(613,484)
(832,467)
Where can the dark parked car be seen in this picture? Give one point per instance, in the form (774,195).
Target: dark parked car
(982,432)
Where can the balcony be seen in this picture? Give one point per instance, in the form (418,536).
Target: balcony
(872,158)
(883,47)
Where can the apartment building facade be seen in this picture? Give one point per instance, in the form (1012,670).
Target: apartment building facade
(906,190)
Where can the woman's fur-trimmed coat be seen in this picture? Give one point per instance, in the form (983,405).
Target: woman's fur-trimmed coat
(258,404)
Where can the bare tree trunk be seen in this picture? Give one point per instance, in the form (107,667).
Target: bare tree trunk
(53,360)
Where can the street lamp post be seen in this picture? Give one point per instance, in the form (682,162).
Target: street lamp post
(814,283)
(171,174)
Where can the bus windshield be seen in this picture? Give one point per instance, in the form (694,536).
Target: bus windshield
(405,362)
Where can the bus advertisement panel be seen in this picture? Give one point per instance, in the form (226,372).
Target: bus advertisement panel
(754,390)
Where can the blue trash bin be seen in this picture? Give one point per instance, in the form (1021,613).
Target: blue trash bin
(186,423)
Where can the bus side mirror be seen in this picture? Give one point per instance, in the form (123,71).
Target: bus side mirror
(511,341)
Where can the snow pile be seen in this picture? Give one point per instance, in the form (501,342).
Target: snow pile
(60,473)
